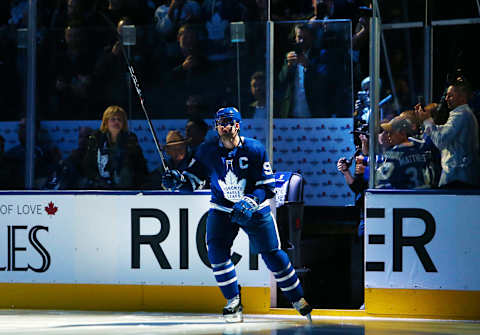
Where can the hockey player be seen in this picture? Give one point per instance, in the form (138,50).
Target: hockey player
(242,183)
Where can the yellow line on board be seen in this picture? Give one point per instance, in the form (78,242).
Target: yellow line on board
(399,303)
(192,299)
(445,304)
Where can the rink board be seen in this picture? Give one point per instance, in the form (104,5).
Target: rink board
(421,254)
(193,299)
(116,250)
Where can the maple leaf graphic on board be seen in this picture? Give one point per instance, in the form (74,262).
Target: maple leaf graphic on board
(51,209)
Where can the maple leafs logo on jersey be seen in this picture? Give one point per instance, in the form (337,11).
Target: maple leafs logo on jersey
(232,188)
(51,209)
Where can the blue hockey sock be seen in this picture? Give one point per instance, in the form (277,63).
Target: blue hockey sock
(278,262)
(226,278)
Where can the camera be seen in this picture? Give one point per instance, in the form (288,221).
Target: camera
(360,128)
(364,97)
(347,161)
(363,100)
(441,113)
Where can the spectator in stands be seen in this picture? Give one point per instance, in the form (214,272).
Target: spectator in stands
(45,155)
(72,71)
(178,151)
(110,78)
(256,109)
(178,156)
(260,11)
(80,13)
(138,11)
(18,13)
(70,174)
(172,15)
(411,115)
(196,130)
(168,19)
(406,164)
(358,12)
(193,74)
(281,11)
(419,136)
(114,159)
(197,107)
(457,139)
(70,11)
(303,78)
(189,43)
(218,14)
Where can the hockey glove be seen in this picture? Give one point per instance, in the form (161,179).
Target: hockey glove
(172,180)
(244,209)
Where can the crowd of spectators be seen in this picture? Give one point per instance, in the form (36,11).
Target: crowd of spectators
(429,147)
(182,48)
(188,67)
(107,158)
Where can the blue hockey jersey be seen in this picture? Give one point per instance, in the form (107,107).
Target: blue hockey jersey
(233,173)
(407,167)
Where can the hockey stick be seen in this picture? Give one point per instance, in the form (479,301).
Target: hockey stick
(139,91)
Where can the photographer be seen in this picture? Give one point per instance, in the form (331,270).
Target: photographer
(361,112)
(360,139)
(304,76)
(358,183)
(457,139)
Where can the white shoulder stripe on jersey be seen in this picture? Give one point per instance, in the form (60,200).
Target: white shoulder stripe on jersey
(266,181)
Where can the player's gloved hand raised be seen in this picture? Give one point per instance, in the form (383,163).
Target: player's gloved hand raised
(243,210)
(172,180)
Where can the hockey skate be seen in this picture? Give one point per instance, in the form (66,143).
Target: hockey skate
(233,311)
(303,308)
